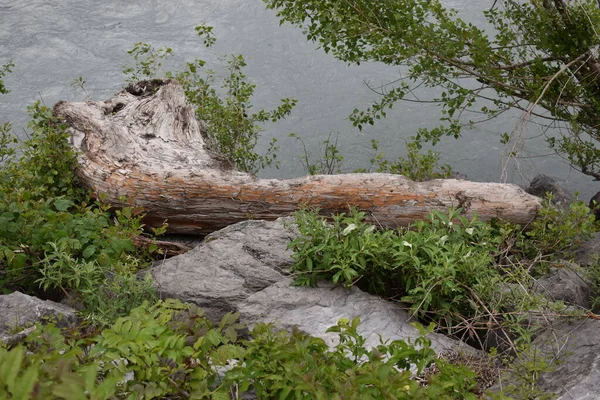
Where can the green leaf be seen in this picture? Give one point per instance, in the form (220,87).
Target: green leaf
(89,251)
(213,337)
(10,365)
(284,393)
(63,204)
(126,212)
(220,395)
(70,387)
(26,382)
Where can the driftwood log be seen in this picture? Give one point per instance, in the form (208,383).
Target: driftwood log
(146,146)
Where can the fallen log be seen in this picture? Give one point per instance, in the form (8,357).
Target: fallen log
(145,145)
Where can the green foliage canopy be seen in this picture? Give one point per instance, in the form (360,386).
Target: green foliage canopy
(537,53)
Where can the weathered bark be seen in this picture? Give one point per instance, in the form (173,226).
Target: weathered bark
(145,145)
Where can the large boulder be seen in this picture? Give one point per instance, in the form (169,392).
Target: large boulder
(313,310)
(244,268)
(542,184)
(18,312)
(574,350)
(230,265)
(568,284)
(589,252)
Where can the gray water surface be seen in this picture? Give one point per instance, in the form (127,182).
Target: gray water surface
(54,42)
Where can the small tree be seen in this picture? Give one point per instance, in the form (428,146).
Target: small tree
(543,53)
(5,69)
(233,126)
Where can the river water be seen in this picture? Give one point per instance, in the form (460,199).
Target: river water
(54,42)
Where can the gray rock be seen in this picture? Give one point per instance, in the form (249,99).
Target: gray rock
(18,310)
(244,268)
(568,284)
(313,310)
(228,266)
(459,176)
(571,349)
(594,205)
(589,252)
(575,348)
(542,184)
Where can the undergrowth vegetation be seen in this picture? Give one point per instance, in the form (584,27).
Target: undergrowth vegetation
(170,350)
(55,241)
(473,279)
(442,257)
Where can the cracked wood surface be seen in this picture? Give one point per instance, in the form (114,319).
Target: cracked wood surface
(145,145)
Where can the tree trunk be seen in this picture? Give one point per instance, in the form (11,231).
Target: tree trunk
(144,147)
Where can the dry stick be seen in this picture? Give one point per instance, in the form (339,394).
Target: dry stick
(491,315)
(469,327)
(179,390)
(527,115)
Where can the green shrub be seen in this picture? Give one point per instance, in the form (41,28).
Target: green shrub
(437,266)
(45,168)
(116,296)
(148,62)
(559,231)
(50,367)
(167,350)
(4,70)
(448,269)
(329,163)
(170,350)
(554,236)
(7,141)
(57,244)
(446,262)
(233,127)
(344,252)
(416,166)
(296,366)
(52,242)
